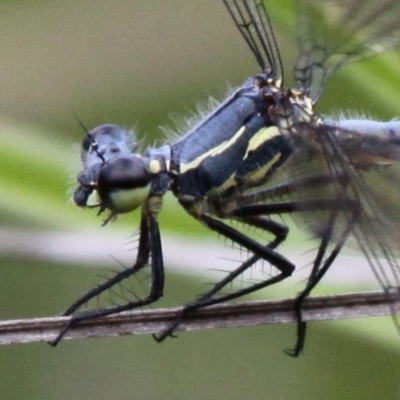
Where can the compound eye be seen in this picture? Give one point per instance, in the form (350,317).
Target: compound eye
(123,184)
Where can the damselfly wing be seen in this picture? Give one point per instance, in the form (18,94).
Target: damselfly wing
(223,168)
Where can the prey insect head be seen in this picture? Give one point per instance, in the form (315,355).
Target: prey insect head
(85,194)
(106,142)
(113,176)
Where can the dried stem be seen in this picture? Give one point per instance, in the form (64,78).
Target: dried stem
(221,316)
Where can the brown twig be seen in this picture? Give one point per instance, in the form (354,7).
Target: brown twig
(343,306)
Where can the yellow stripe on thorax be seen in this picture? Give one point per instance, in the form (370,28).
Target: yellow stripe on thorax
(184,167)
(258,174)
(261,137)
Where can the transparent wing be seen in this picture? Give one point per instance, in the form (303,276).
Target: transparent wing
(251,18)
(333,33)
(356,175)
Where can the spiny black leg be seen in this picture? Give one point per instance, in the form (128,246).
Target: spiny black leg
(288,188)
(319,270)
(280,231)
(339,205)
(142,259)
(260,251)
(207,300)
(253,246)
(296,206)
(251,215)
(302,325)
(152,242)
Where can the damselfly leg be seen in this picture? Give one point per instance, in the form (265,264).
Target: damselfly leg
(149,247)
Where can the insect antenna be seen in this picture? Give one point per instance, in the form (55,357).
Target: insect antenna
(94,144)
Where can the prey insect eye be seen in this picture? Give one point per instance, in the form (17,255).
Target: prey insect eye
(86,197)
(123,184)
(85,194)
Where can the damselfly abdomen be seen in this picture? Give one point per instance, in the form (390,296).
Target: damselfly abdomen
(226,168)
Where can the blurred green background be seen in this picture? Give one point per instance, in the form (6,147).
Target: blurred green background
(142,64)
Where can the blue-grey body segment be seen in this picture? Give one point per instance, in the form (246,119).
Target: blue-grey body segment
(224,137)
(219,125)
(368,127)
(213,171)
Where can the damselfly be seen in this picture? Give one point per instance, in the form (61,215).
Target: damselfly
(264,152)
